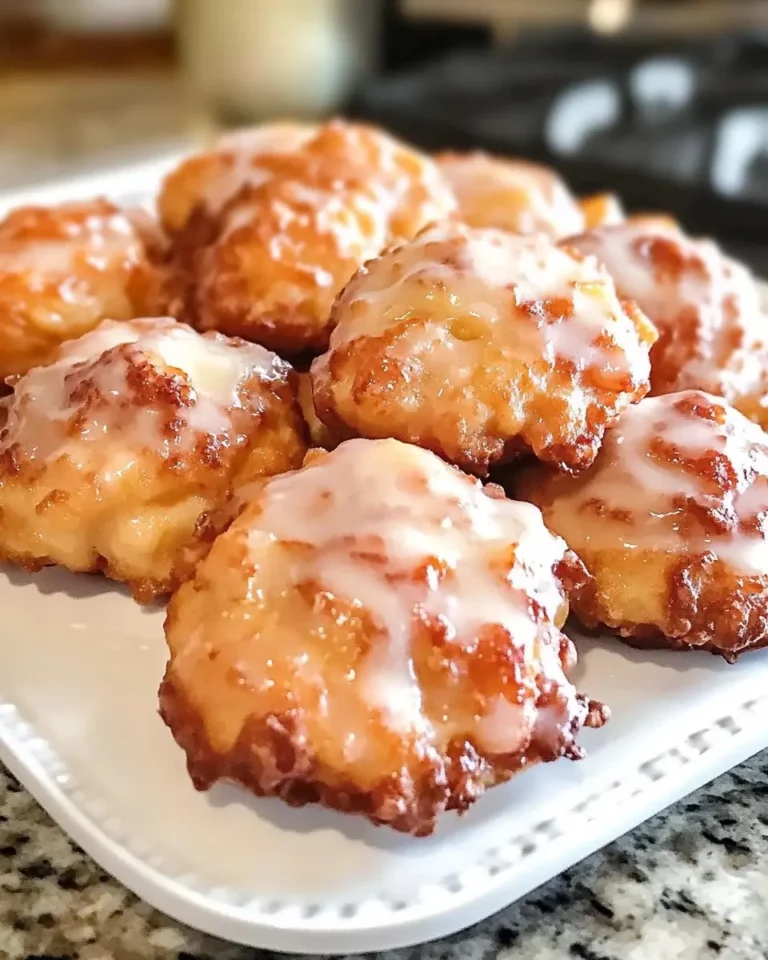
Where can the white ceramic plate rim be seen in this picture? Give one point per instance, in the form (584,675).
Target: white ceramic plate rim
(686,764)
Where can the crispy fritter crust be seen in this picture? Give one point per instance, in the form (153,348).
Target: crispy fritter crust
(319,435)
(670,522)
(63,270)
(113,454)
(701,604)
(392,702)
(266,263)
(713,328)
(480,345)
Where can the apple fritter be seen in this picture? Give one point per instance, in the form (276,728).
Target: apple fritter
(377,633)
(671,524)
(712,323)
(267,263)
(112,455)
(62,271)
(513,195)
(481,345)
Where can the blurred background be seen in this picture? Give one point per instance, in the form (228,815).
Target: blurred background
(664,101)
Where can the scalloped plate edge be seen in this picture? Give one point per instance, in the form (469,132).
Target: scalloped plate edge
(659,780)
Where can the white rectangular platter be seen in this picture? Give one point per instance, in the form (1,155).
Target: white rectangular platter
(80,665)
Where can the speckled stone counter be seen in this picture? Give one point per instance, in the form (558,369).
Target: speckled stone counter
(691,884)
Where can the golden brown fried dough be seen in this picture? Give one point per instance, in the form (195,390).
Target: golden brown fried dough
(513,195)
(267,263)
(601,210)
(63,270)
(320,435)
(480,345)
(113,454)
(713,327)
(376,633)
(670,522)
(208,180)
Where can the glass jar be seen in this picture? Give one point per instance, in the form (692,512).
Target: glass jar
(251,60)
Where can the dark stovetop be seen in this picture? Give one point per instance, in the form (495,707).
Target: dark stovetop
(676,127)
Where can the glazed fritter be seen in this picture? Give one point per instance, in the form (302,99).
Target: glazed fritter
(205,181)
(713,326)
(671,524)
(481,345)
(267,263)
(522,197)
(377,633)
(112,455)
(513,195)
(62,271)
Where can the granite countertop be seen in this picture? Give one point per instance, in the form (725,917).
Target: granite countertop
(690,884)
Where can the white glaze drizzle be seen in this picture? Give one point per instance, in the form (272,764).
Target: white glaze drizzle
(654,491)
(357,222)
(212,366)
(705,288)
(99,241)
(405,506)
(479,268)
(360,218)
(241,151)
